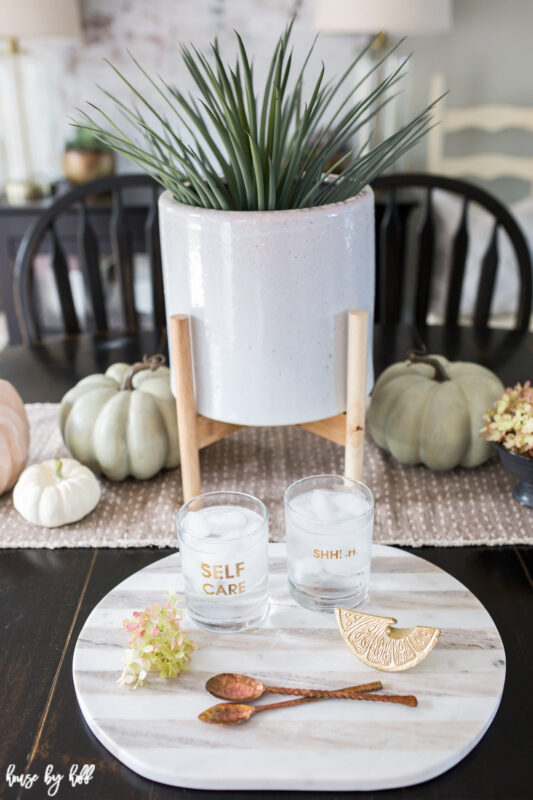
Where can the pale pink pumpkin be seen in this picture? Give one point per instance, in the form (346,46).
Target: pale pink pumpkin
(14,436)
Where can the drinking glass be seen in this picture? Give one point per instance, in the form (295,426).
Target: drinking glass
(223,539)
(328,525)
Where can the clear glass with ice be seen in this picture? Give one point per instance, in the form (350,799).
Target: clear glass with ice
(328,525)
(223,539)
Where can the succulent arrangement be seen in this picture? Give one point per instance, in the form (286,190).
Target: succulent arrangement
(157,643)
(83,140)
(510,421)
(230,147)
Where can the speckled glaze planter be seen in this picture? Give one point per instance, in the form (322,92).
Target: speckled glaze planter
(268,294)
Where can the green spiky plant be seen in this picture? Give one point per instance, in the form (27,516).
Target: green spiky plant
(83,140)
(251,154)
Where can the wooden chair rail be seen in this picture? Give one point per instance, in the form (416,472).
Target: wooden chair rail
(391,253)
(88,255)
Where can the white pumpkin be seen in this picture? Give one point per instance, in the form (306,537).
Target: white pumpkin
(56,492)
(124,422)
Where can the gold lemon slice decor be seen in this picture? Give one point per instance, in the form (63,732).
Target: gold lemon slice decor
(376,643)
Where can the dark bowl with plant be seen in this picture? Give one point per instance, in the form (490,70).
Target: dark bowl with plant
(509,425)
(86,158)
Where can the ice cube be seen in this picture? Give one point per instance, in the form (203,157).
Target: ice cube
(304,571)
(224,520)
(321,506)
(300,503)
(225,523)
(341,567)
(253,523)
(196,524)
(349,504)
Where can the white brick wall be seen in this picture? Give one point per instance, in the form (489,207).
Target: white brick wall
(59,78)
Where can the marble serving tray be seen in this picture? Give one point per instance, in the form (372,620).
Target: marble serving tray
(334,744)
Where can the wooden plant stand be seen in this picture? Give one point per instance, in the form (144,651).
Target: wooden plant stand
(196,431)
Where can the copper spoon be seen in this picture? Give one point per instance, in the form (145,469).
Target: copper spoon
(235,713)
(240,688)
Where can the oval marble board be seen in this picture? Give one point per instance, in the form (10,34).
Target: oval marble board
(328,745)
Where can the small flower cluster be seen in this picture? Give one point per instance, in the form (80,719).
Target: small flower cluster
(156,643)
(510,421)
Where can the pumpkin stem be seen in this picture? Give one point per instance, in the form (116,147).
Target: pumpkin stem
(421,357)
(59,467)
(149,362)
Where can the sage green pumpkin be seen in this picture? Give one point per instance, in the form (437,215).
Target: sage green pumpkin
(430,411)
(124,422)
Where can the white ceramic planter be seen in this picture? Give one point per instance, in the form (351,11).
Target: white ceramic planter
(268,295)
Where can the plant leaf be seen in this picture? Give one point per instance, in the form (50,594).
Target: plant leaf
(223,149)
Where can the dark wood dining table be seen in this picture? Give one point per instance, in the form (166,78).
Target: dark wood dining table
(46,595)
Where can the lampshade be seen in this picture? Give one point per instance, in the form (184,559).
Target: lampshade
(389,16)
(40,19)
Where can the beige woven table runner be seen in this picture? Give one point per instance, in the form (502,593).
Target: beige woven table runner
(414,506)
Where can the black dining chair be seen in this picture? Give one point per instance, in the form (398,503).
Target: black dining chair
(106,197)
(394,242)
(391,254)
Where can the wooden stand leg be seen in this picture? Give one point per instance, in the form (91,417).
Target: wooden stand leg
(180,338)
(356,394)
(196,431)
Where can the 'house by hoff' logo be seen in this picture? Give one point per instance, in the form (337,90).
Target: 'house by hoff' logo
(77,776)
